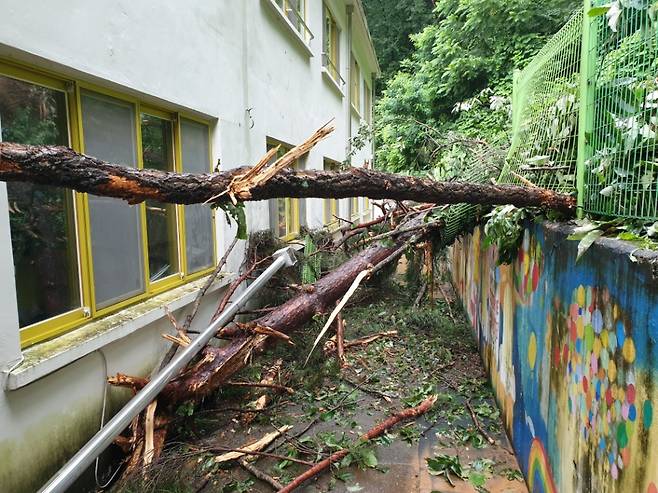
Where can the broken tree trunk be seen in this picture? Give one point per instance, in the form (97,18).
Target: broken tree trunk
(63,167)
(216,365)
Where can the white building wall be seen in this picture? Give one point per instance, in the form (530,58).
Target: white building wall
(231,61)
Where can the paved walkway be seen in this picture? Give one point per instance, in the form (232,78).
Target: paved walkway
(433,353)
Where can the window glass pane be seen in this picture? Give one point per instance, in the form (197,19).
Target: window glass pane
(331,45)
(281,217)
(42,218)
(354,206)
(161,227)
(330,205)
(367,103)
(295,12)
(198,218)
(285,210)
(355,84)
(116,236)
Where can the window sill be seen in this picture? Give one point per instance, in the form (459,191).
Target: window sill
(47,357)
(332,82)
(295,33)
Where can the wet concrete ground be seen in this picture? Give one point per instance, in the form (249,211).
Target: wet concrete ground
(433,354)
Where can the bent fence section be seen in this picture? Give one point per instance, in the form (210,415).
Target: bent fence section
(572,353)
(585,112)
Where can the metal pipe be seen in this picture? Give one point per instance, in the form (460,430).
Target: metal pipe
(86,455)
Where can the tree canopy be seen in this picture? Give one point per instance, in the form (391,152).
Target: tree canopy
(391,24)
(458,77)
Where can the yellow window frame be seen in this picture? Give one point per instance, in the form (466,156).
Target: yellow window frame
(355,84)
(330,206)
(301,28)
(367,103)
(65,322)
(191,276)
(172,280)
(291,205)
(332,44)
(60,323)
(356,213)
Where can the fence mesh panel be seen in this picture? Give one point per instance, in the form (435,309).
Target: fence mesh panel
(621,165)
(458,217)
(585,117)
(545,106)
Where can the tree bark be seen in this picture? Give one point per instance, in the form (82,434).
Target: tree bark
(63,167)
(217,365)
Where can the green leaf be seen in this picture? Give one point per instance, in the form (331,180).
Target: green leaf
(477,479)
(598,11)
(587,242)
(242,223)
(370,459)
(443,464)
(236,212)
(628,236)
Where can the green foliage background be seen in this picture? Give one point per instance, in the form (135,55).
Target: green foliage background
(457,80)
(391,24)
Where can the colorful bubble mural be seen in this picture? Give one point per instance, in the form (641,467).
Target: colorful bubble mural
(528,268)
(598,354)
(572,353)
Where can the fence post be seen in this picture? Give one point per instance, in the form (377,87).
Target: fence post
(588,60)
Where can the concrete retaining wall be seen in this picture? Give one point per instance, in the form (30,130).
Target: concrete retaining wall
(572,353)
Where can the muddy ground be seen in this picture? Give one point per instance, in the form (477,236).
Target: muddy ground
(443,451)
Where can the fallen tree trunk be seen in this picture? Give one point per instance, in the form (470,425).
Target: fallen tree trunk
(216,365)
(63,167)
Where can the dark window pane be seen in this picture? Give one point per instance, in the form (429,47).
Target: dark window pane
(42,218)
(198,218)
(116,236)
(161,228)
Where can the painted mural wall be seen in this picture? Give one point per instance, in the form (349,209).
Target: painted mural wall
(572,353)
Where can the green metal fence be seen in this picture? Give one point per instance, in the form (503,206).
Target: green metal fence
(585,112)
(545,106)
(458,217)
(621,161)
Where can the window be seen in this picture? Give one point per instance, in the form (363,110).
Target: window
(79,256)
(331,47)
(42,219)
(354,207)
(295,12)
(109,130)
(161,219)
(367,103)
(330,205)
(355,85)
(198,218)
(285,211)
